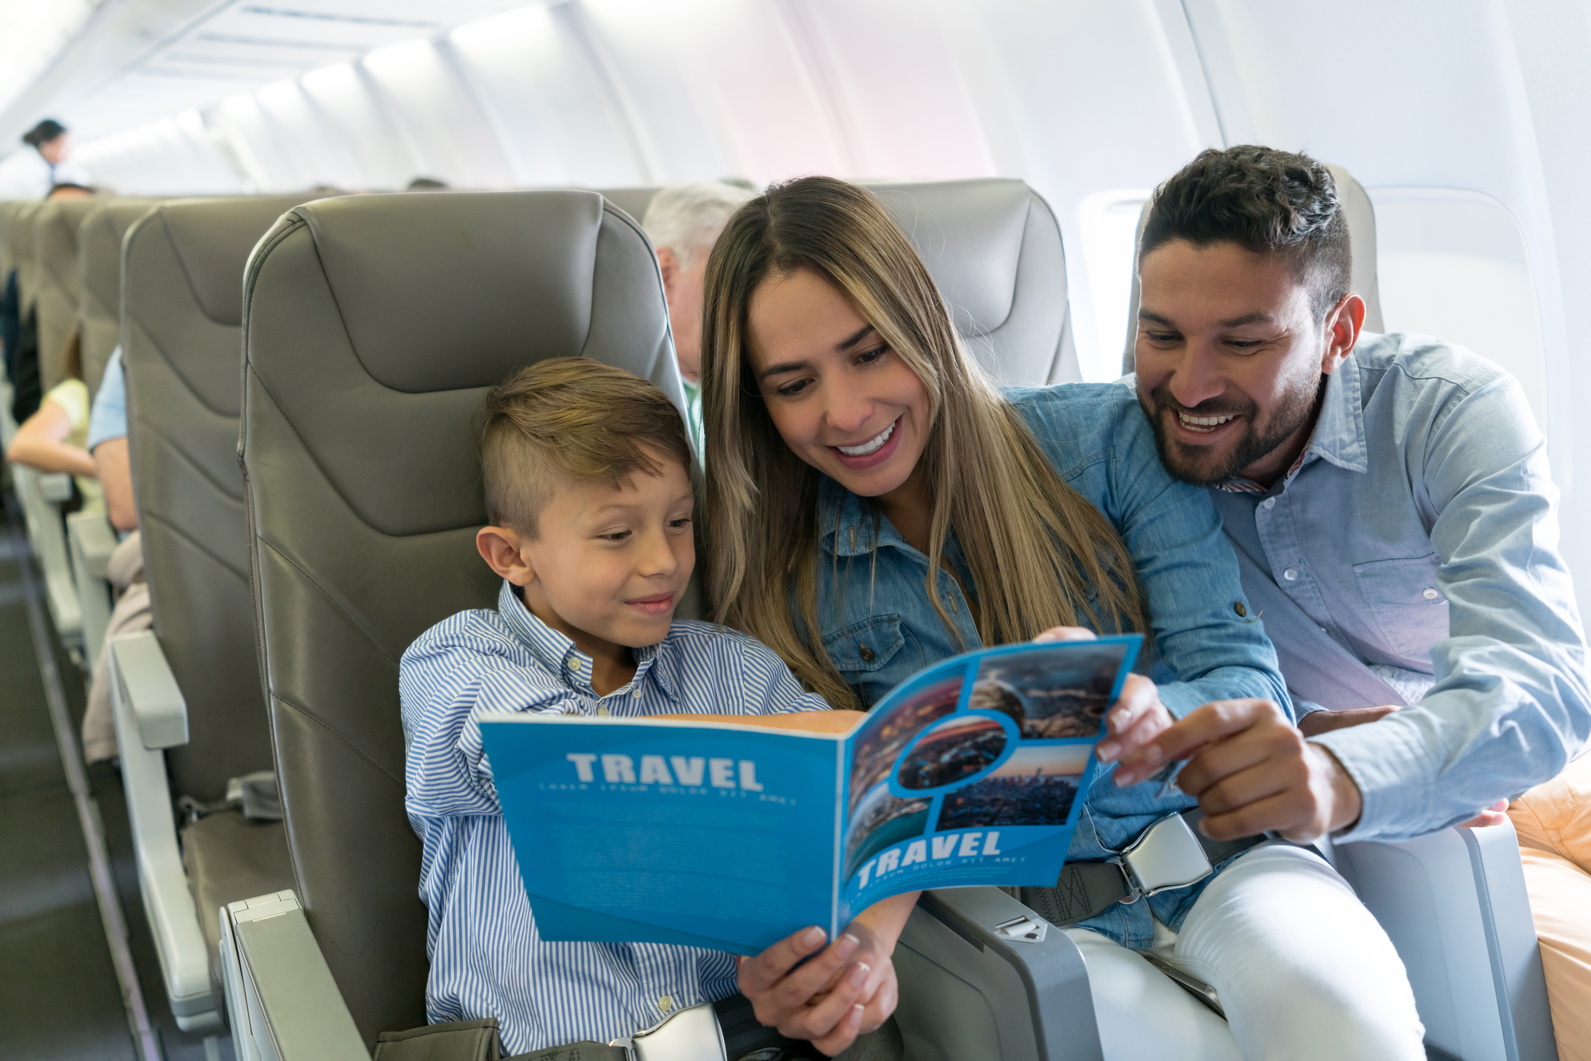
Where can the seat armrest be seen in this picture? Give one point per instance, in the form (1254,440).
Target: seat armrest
(55,487)
(1455,906)
(94,538)
(150,690)
(282,1001)
(983,978)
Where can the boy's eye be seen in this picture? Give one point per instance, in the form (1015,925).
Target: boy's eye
(683,521)
(614,536)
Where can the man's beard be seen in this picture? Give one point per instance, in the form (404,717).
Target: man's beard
(1295,409)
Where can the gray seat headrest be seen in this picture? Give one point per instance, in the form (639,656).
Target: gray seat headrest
(994,249)
(99,278)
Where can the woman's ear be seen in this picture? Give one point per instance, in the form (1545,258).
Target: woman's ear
(503,551)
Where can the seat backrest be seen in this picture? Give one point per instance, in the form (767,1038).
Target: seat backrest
(994,249)
(373,327)
(1361,216)
(55,249)
(99,281)
(632,201)
(182,342)
(22,254)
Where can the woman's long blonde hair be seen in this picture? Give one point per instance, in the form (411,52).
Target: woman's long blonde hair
(1035,548)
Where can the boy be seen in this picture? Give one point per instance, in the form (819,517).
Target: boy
(587,488)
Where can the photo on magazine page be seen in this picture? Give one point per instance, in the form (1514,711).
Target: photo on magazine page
(974,770)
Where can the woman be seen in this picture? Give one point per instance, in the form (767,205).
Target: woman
(876,505)
(54,438)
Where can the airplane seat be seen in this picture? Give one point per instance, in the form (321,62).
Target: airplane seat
(1453,902)
(90,537)
(187,695)
(41,495)
(55,246)
(632,201)
(99,264)
(994,249)
(365,366)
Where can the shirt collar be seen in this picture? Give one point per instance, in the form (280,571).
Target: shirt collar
(848,525)
(558,653)
(1339,435)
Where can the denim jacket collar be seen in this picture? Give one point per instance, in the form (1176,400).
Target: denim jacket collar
(848,525)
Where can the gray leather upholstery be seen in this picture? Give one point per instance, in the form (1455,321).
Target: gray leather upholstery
(182,351)
(55,247)
(22,261)
(632,201)
(99,281)
(374,325)
(1361,238)
(993,247)
(228,859)
(8,213)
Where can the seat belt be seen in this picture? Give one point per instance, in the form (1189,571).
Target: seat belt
(1171,853)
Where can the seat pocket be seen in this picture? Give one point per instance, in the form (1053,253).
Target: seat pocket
(867,646)
(1405,602)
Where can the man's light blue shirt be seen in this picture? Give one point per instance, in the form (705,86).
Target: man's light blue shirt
(487,959)
(1411,557)
(107,418)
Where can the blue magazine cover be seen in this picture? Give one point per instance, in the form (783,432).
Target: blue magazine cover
(730,836)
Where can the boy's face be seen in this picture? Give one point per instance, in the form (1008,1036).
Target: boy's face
(607,567)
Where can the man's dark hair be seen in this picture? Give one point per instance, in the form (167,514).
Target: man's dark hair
(426,184)
(43,133)
(1266,201)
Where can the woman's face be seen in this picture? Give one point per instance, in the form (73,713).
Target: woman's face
(841,398)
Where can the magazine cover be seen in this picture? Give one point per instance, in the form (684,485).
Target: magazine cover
(732,836)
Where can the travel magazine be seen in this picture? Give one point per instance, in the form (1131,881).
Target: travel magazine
(731,837)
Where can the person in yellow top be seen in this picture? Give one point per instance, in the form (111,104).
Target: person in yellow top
(54,440)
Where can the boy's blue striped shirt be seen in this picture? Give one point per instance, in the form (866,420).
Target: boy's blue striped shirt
(486,957)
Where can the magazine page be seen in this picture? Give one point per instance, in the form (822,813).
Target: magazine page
(970,772)
(650,830)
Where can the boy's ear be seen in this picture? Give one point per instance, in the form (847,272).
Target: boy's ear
(501,548)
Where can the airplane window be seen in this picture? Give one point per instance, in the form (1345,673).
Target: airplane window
(1454,264)
(1109,224)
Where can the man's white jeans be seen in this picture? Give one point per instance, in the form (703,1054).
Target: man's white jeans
(1303,971)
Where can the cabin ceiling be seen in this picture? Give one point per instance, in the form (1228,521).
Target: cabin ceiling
(135,61)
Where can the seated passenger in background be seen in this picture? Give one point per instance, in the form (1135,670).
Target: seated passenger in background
(1395,522)
(55,438)
(588,489)
(107,443)
(683,223)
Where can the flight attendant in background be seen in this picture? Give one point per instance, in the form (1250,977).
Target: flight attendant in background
(33,171)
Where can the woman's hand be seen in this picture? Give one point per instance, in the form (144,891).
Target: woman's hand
(846,989)
(1136,719)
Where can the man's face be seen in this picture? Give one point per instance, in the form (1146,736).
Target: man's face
(1230,358)
(55,151)
(684,276)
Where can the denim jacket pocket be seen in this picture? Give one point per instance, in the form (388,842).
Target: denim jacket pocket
(1403,598)
(865,647)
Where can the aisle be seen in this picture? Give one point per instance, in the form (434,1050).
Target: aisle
(60,999)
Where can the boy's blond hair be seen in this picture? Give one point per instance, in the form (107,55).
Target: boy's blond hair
(571,419)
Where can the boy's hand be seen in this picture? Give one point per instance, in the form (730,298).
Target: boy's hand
(825,1000)
(846,990)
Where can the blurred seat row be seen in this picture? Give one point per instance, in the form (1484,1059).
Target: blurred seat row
(302,378)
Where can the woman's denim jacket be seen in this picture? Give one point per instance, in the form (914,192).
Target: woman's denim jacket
(879,626)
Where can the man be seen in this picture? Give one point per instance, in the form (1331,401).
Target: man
(32,172)
(1390,504)
(683,223)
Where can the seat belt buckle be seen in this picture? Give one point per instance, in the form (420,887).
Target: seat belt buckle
(690,1035)
(1166,855)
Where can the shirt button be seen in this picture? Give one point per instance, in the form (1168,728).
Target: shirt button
(867,653)
(1430,593)
(602,709)
(665,1003)
(1291,574)
(1237,606)
(636,693)
(1269,502)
